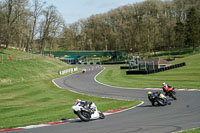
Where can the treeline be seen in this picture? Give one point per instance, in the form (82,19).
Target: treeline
(149,26)
(29,25)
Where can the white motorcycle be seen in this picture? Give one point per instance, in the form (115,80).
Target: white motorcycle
(87,111)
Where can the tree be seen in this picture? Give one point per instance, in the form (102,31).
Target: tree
(179,35)
(51,17)
(192,29)
(14,9)
(35,14)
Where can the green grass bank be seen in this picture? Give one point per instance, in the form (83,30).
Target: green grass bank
(28,96)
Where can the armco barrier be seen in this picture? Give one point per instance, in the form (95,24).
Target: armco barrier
(128,67)
(68,70)
(156,70)
(136,72)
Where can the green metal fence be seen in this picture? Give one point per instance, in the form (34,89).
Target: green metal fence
(84,53)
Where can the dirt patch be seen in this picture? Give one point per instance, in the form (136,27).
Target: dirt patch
(5,81)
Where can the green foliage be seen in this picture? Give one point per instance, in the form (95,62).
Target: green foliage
(180,35)
(193,28)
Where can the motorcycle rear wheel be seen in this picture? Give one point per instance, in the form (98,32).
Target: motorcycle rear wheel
(83,115)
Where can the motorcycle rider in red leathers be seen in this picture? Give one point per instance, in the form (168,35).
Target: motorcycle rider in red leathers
(165,88)
(169,91)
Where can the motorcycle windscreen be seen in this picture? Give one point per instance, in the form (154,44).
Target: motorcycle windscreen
(162,96)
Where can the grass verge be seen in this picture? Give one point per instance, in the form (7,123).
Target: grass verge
(197,130)
(184,77)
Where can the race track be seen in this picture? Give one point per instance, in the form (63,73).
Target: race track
(184,113)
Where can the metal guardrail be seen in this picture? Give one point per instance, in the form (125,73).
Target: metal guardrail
(156,70)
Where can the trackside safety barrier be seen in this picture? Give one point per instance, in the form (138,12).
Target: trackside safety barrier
(128,67)
(68,70)
(156,70)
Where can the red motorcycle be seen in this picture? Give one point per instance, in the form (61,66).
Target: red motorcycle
(170,91)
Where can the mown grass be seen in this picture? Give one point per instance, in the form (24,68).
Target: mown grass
(191,131)
(184,77)
(28,96)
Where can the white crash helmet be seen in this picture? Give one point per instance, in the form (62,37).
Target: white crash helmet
(164,84)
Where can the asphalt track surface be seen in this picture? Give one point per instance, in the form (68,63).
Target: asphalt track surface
(183,113)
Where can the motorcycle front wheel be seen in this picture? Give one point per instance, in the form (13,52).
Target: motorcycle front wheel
(101,115)
(84,116)
(172,95)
